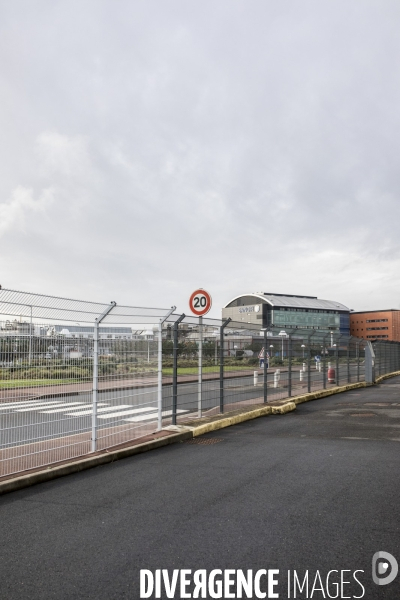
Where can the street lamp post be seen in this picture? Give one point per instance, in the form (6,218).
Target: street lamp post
(282,334)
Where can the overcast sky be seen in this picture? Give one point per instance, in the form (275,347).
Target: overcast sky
(152,147)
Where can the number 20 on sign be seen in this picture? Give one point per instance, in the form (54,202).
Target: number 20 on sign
(200,302)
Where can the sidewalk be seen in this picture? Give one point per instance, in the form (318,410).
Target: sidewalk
(187,429)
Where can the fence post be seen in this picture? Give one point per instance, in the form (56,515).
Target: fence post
(324,363)
(384,358)
(265,367)
(378,346)
(309,364)
(348,359)
(221,364)
(159,378)
(30,340)
(358,359)
(96,372)
(369,363)
(175,370)
(337,361)
(289,366)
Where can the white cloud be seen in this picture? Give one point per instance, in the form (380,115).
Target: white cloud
(16,213)
(218,145)
(62,154)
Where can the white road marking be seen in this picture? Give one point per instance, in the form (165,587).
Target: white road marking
(89,412)
(127,412)
(153,416)
(39,407)
(11,405)
(78,406)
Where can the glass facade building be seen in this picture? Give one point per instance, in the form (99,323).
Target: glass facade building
(282,311)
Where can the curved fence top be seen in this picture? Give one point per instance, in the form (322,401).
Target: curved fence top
(14,303)
(28,306)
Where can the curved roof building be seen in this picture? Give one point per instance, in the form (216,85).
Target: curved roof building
(286,311)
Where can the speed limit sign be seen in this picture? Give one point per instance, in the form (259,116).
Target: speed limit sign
(200,302)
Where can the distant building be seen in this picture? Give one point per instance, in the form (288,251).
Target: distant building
(284,311)
(376,325)
(87,331)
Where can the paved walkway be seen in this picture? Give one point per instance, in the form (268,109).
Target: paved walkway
(316,489)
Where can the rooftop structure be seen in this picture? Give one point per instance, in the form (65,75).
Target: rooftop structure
(289,311)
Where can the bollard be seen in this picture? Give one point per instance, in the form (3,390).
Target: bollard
(331,375)
(319,367)
(276,378)
(304,367)
(301,375)
(255,377)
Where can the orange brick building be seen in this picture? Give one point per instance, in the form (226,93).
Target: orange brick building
(376,324)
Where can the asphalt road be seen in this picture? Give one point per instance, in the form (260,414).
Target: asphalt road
(316,489)
(25,421)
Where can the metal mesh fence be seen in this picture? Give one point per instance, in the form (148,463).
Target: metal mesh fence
(71,383)
(233,375)
(78,377)
(387,357)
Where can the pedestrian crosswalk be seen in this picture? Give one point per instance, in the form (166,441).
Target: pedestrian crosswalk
(105,410)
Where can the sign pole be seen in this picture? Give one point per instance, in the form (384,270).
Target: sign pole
(200,383)
(200,303)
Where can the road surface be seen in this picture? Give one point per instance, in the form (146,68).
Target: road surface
(316,489)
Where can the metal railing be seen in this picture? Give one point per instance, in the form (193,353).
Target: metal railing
(75,377)
(387,357)
(78,377)
(234,375)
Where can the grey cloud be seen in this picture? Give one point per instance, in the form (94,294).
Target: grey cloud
(232,145)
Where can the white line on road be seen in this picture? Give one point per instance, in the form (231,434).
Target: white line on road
(11,405)
(41,407)
(128,412)
(89,412)
(152,416)
(79,406)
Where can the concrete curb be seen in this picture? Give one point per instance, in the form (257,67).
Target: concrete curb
(221,423)
(328,392)
(284,408)
(179,433)
(17,483)
(387,376)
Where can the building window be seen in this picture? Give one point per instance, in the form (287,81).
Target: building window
(374,337)
(377,321)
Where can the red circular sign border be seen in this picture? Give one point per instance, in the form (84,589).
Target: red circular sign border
(208,306)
